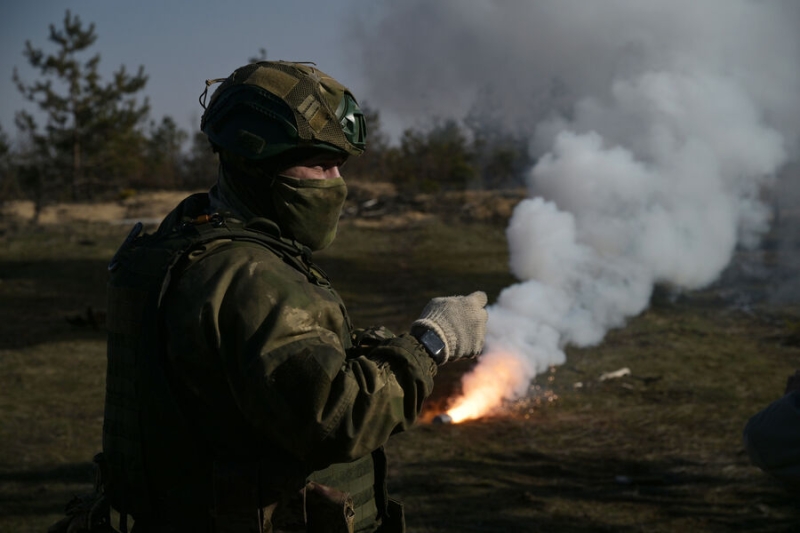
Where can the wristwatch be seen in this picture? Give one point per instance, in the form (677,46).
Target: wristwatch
(433,344)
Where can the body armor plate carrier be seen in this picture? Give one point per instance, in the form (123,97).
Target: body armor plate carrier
(141,412)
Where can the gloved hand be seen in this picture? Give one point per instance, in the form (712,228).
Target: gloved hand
(460,321)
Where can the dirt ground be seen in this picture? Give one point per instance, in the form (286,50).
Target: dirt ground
(148,206)
(656,450)
(374,205)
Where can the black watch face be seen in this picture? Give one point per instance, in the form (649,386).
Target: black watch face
(432,342)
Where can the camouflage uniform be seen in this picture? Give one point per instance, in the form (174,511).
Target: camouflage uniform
(239,397)
(260,357)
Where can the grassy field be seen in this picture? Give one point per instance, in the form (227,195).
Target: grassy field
(658,450)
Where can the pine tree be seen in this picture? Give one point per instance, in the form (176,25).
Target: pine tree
(202,165)
(90,137)
(8,184)
(436,160)
(164,157)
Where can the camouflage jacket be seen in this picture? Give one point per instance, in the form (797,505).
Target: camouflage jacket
(269,370)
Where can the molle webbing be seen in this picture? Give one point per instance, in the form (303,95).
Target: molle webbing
(140,411)
(209,228)
(358,479)
(144,428)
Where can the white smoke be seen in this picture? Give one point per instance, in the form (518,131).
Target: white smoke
(667,204)
(671,119)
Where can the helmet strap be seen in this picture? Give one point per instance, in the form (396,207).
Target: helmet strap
(204,94)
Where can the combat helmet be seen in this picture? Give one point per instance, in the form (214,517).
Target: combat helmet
(270,107)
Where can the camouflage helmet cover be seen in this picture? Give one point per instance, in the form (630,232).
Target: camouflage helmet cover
(267,108)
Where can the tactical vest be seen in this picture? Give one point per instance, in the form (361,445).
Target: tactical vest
(145,428)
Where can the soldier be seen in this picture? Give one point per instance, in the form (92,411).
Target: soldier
(239,396)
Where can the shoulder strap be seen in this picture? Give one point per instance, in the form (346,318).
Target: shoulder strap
(260,231)
(208,228)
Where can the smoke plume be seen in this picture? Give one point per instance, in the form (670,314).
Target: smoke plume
(656,126)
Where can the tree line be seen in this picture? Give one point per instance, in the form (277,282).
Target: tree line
(98,141)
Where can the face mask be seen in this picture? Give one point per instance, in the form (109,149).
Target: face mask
(308,210)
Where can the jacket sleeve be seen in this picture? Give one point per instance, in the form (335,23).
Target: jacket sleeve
(278,340)
(772,439)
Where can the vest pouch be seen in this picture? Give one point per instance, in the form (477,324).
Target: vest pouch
(328,510)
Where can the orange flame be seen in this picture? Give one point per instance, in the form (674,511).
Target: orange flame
(499,375)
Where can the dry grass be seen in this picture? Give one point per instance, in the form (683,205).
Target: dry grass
(658,450)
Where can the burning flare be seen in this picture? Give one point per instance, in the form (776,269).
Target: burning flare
(500,375)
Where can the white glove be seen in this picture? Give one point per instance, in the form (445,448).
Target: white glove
(459,321)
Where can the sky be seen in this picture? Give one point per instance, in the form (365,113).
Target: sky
(179,43)
(418,60)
